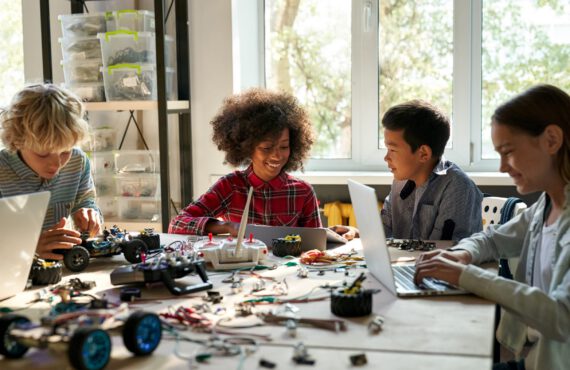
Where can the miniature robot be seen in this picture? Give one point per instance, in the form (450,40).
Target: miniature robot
(113,241)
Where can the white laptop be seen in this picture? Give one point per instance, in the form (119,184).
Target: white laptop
(311,237)
(21,220)
(397,279)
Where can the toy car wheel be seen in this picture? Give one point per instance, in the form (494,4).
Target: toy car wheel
(351,305)
(10,347)
(45,273)
(142,333)
(89,348)
(76,259)
(132,250)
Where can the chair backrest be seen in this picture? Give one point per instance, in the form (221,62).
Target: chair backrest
(492,209)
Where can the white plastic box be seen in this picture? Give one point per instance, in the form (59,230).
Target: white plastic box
(80,48)
(88,92)
(80,25)
(136,162)
(104,139)
(138,209)
(134,82)
(108,206)
(82,71)
(131,20)
(139,185)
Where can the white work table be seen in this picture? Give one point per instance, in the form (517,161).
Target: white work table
(422,333)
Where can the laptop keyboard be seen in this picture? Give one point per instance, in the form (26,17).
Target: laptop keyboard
(404,277)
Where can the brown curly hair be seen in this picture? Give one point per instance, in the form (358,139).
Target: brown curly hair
(255,115)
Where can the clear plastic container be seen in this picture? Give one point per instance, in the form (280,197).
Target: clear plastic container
(134,82)
(108,206)
(139,185)
(138,209)
(103,163)
(131,20)
(80,48)
(135,162)
(80,25)
(119,47)
(104,139)
(105,185)
(88,92)
(82,71)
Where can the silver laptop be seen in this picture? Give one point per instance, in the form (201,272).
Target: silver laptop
(397,279)
(311,237)
(21,219)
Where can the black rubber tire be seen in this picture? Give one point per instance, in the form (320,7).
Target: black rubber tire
(351,305)
(84,336)
(46,275)
(76,259)
(282,248)
(132,250)
(142,333)
(9,347)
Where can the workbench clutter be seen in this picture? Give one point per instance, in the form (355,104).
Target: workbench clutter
(112,55)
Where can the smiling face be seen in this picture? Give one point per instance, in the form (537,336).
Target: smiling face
(45,165)
(270,156)
(529,160)
(402,162)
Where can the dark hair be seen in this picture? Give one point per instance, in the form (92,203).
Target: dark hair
(423,124)
(246,119)
(535,109)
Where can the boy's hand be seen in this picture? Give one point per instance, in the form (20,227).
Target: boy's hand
(442,265)
(87,220)
(57,238)
(348,232)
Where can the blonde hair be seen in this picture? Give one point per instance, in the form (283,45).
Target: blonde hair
(43,118)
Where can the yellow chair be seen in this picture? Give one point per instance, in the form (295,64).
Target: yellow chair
(338,213)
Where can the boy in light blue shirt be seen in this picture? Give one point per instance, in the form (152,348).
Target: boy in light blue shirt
(40,129)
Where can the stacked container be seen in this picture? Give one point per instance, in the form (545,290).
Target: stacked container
(128,51)
(82,54)
(127,184)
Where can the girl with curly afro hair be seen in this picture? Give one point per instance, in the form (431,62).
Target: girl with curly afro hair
(269,134)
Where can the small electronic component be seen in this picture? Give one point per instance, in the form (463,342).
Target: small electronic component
(376,324)
(358,359)
(411,244)
(301,356)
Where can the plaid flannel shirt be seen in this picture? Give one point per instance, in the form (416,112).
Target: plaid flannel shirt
(283,201)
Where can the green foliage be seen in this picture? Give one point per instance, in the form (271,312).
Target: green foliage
(11,49)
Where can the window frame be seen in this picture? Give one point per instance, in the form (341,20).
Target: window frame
(466,86)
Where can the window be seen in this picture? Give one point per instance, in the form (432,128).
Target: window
(349,61)
(11,51)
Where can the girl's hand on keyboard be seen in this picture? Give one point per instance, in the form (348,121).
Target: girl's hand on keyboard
(441,265)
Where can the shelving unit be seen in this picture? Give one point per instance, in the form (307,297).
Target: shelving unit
(181,107)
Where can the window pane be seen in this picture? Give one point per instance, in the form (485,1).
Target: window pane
(525,42)
(308,53)
(416,54)
(11,49)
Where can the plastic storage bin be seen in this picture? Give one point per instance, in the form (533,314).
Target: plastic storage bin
(80,25)
(131,20)
(123,46)
(141,185)
(138,209)
(108,206)
(104,139)
(103,163)
(134,82)
(105,185)
(88,92)
(80,48)
(118,47)
(82,71)
(136,161)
